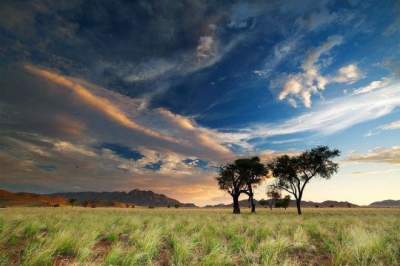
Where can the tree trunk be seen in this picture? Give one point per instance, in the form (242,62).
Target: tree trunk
(251,199)
(236,208)
(298,204)
(253,206)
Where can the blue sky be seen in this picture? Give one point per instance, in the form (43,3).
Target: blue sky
(116,95)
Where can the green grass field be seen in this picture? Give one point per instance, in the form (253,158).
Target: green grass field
(161,236)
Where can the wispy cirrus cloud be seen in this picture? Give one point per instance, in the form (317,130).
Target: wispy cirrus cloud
(340,113)
(389,126)
(330,116)
(373,85)
(101,104)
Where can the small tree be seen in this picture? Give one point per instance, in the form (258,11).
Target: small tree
(252,171)
(273,194)
(283,203)
(294,173)
(72,202)
(231,181)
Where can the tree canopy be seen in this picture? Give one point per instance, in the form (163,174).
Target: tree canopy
(230,180)
(295,172)
(252,171)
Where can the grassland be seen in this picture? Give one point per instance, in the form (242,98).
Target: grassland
(111,236)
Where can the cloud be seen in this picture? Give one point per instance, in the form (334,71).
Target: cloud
(79,112)
(182,126)
(79,163)
(64,146)
(194,134)
(317,19)
(390,126)
(268,155)
(101,104)
(374,85)
(348,74)
(328,117)
(26,159)
(206,48)
(303,85)
(389,155)
(286,141)
(310,81)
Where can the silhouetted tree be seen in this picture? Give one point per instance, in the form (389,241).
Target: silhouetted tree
(230,180)
(72,202)
(283,203)
(252,171)
(274,194)
(294,173)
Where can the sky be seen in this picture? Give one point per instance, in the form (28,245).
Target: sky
(156,95)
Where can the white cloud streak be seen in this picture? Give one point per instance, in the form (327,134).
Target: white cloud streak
(374,85)
(331,116)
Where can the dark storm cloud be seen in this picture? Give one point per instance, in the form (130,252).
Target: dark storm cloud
(141,47)
(124,42)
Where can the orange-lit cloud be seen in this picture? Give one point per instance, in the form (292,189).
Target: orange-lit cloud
(205,137)
(101,104)
(389,155)
(69,125)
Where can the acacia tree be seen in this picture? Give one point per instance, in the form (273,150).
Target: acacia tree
(230,180)
(294,173)
(252,171)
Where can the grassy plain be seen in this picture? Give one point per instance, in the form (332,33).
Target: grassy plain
(161,236)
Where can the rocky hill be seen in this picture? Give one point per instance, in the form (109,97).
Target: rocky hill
(136,196)
(8,198)
(385,203)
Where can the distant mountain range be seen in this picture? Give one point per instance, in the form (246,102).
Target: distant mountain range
(324,204)
(385,203)
(29,199)
(146,198)
(136,196)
